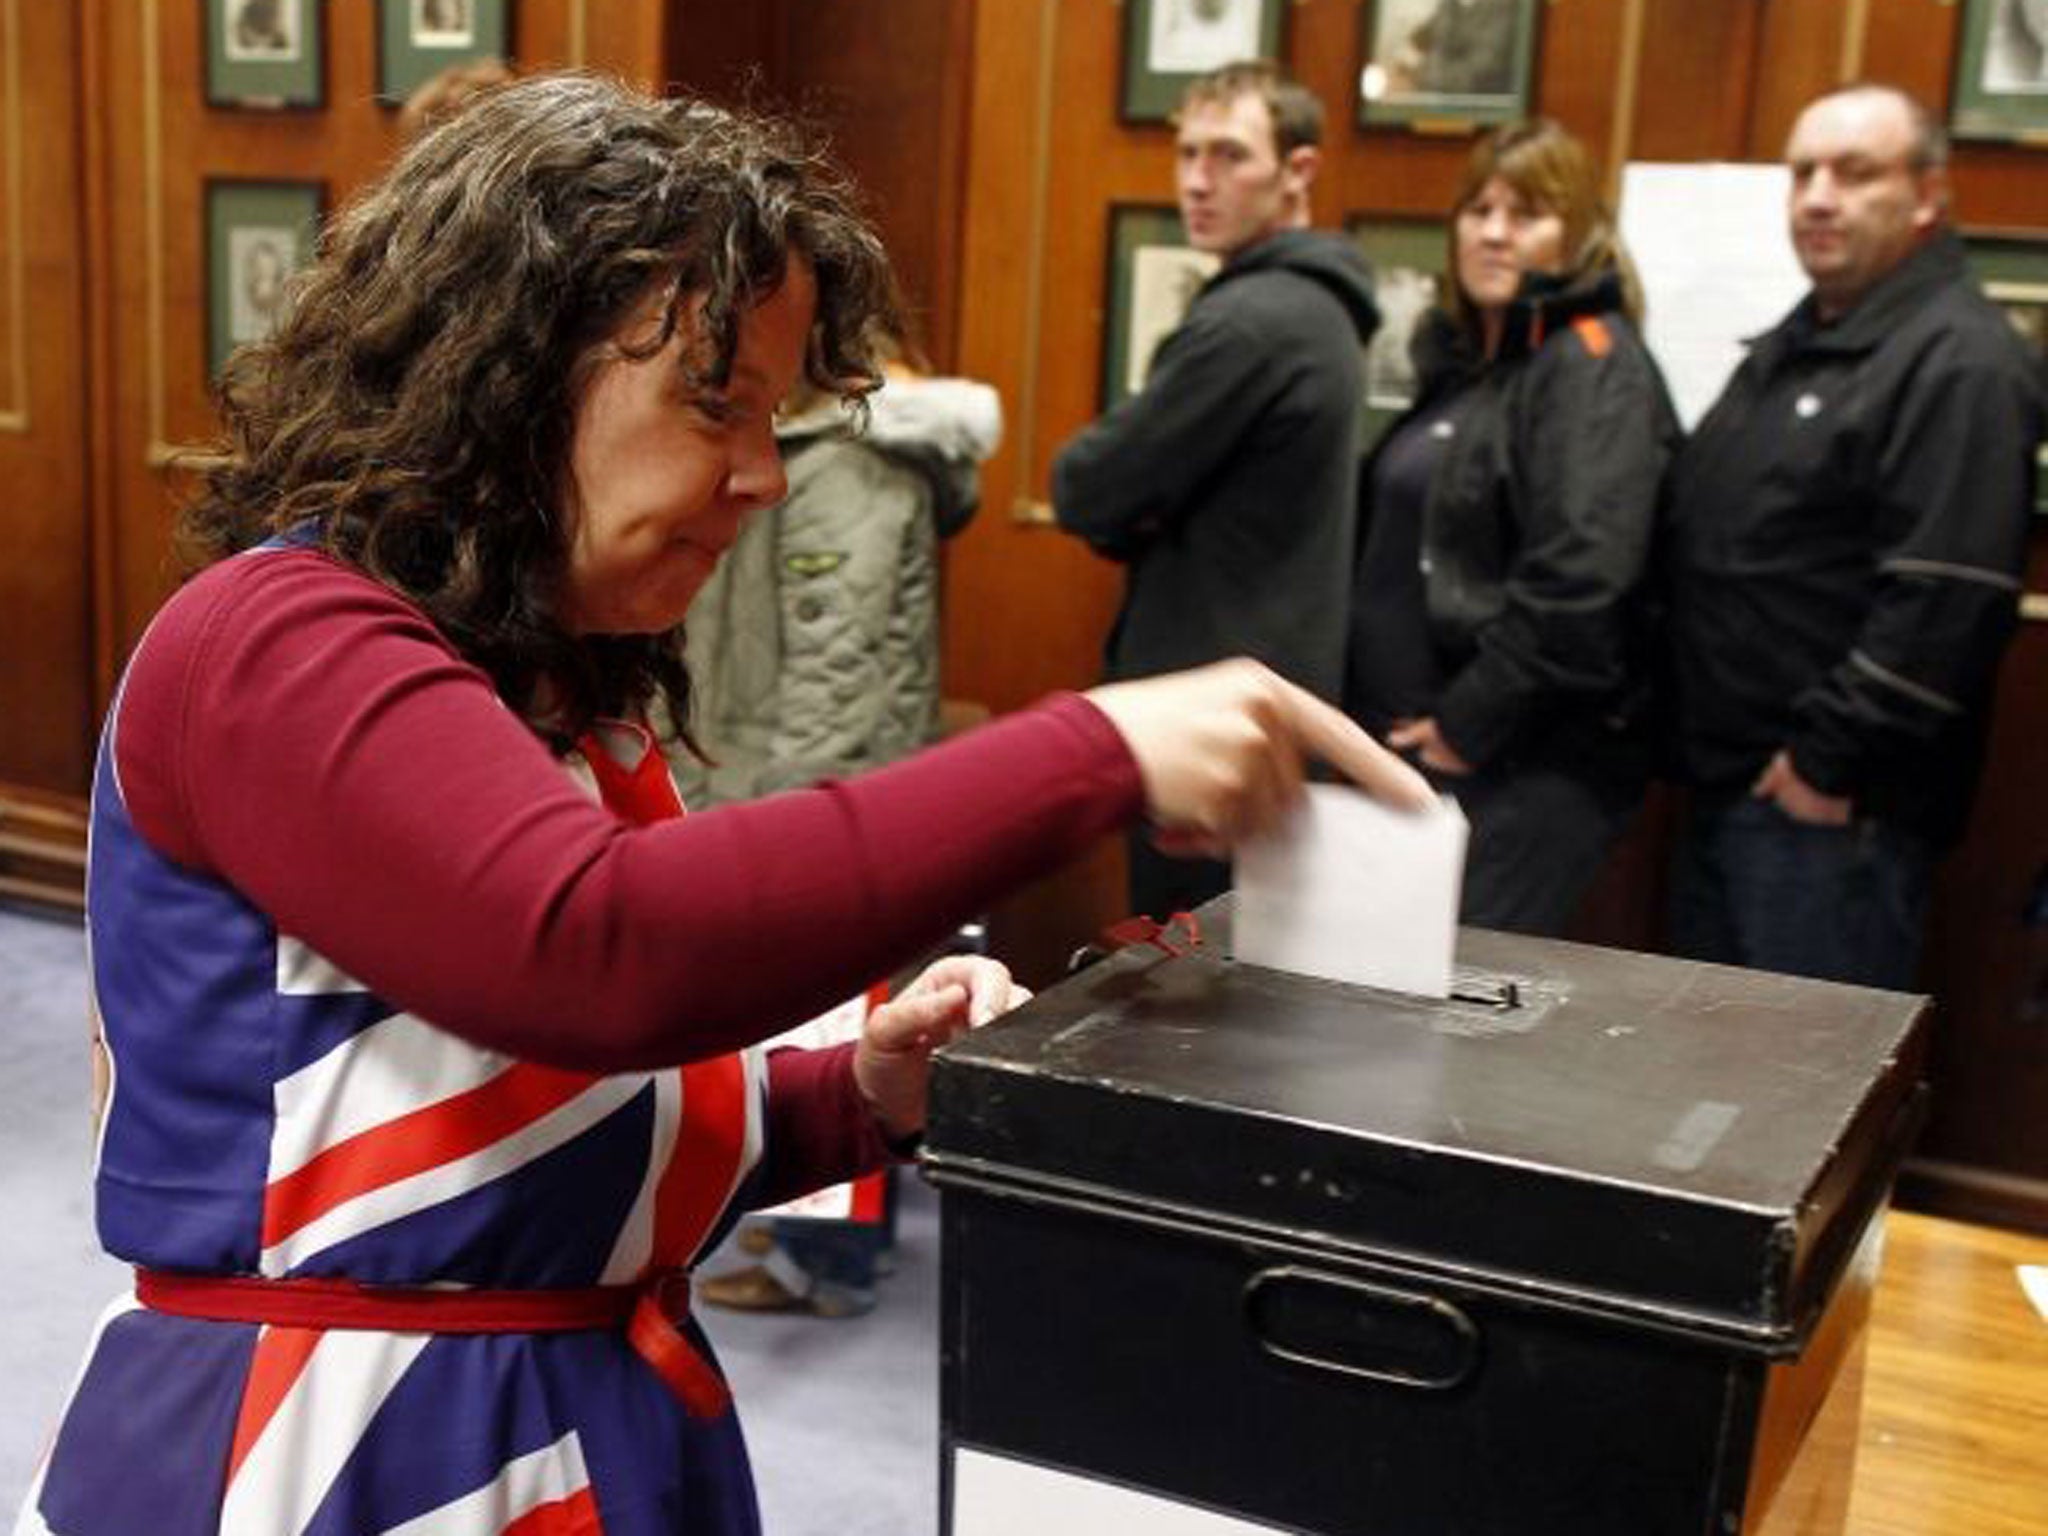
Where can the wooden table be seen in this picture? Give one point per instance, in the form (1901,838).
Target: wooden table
(1954,1433)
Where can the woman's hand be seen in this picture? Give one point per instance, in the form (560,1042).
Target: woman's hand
(1426,741)
(1220,749)
(893,1062)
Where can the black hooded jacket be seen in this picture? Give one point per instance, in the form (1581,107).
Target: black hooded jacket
(1536,532)
(1228,483)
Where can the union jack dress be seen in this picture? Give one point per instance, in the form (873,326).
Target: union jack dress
(275,1122)
(279,1120)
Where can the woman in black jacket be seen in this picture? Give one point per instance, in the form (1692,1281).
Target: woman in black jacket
(1507,523)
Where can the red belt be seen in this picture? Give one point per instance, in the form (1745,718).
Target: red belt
(651,1315)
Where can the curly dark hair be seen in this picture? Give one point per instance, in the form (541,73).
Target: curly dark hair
(416,403)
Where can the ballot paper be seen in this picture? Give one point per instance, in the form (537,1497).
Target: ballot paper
(1353,890)
(2034,1281)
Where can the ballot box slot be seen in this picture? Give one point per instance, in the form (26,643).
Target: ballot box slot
(1503,994)
(1495,1003)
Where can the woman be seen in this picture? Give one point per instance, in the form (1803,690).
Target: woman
(383,767)
(1508,519)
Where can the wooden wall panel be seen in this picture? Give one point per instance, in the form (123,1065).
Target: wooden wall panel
(46,704)
(1693,95)
(894,99)
(1986,964)
(1027,606)
(1800,54)
(160,142)
(724,51)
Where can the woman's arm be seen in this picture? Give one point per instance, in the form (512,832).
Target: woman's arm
(301,732)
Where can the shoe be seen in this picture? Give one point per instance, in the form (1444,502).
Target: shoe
(755,1239)
(751,1289)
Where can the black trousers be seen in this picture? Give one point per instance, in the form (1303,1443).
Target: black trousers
(1539,835)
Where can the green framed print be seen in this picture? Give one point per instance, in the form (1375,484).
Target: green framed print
(2012,268)
(268,54)
(1409,257)
(2001,82)
(1445,66)
(1169,42)
(417,39)
(1154,274)
(258,233)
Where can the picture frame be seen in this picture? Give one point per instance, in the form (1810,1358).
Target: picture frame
(1153,275)
(1446,66)
(1167,43)
(2000,89)
(258,233)
(265,55)
(417,39)
(2012,268)
(1410,258)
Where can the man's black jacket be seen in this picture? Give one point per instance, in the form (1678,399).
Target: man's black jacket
(1846,530)
(1228,483)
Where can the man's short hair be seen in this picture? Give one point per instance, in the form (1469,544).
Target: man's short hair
(1296,111)
(1929,149)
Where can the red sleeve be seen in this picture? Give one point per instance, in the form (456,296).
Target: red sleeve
(306,735)
(819,1129)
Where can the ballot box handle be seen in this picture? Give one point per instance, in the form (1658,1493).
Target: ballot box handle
(1354,1328)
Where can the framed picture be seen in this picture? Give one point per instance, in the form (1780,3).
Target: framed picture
(1445,66)
(1408,257)
(417,39)
(2001,84)
(2013,269)
(1169,42)
(265,53)
(1154,274)
(258,233)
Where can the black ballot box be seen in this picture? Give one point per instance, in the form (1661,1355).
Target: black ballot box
(1587,1248)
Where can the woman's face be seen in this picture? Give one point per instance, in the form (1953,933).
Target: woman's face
(1501,236)
(661,476)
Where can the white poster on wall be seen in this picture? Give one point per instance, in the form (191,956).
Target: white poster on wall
(1717,266)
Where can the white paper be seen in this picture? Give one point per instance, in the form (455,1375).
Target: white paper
(1000,1496)
(1354,891)
(1711,245)
(2034,1281)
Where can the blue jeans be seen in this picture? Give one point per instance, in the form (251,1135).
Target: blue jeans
(834,1260)
(1754,887)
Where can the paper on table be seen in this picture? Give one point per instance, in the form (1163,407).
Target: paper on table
(2034,1281)
(1354,891)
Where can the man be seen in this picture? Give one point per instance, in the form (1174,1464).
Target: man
(1846,533)
(1227,484)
